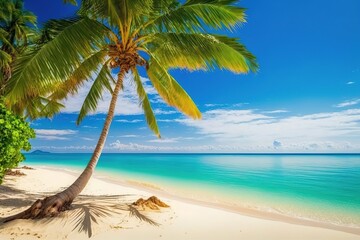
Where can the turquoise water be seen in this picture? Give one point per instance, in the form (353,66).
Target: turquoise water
(318,187)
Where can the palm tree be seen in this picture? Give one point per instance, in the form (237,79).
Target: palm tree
(123,37)
(16,31)
(18,34)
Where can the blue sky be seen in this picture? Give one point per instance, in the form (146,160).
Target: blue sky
(305,97)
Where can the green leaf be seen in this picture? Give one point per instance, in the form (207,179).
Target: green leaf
(73,2)
(88,68)
(101,83)
(57,59)
(170,90)
(49,108)
(118,13)
(197,16)
(5,59)
(145,104)
(195,51)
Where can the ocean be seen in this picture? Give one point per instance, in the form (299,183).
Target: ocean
(324,188)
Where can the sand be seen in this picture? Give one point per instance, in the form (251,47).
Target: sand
(102,212)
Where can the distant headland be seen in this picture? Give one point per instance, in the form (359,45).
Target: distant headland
(39,152)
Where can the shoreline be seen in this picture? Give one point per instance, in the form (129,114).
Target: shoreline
(103,211)
(155,190)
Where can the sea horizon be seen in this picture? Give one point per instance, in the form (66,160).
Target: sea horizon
(201,153)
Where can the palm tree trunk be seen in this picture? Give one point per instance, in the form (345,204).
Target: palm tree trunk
(53,205)
(74,190)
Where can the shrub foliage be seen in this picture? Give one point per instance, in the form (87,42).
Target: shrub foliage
(14,137)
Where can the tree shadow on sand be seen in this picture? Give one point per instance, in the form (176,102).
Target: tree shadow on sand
(84,215)
(7,199)
(86,212)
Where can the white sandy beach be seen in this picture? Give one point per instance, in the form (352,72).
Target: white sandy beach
(102,212)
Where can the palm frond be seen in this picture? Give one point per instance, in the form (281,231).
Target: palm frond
(33,107)
(73,40)
(117,13)
(6,7)
(73,2)
(103,9)
(88,67)
(48,109)
(197,16)
(28,18)
(170,90)
(3,36)
(163,6)
(101,82)
(16,20)
(5,59)
(145,104)
(195,51)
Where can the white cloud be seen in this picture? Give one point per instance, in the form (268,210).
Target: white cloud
(117,145)
(164,140)
(91,127)
(149,89)
(129,121)
(173,140)
(135,147)
(49,137)
(276,111)
(234,116)
(97,119)
(128,103)
(88,139)
(166,120)
(157,99)
(350,83)
(214,105)
(164,112)
(54,134)
(225,105)
(254,131)
(348,103)
(129,136)
(240,104)
(67,148)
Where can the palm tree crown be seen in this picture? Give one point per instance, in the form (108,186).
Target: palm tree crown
(16,33)
(156,34)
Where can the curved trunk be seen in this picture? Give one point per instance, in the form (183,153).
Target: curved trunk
(74,190)
(53,205)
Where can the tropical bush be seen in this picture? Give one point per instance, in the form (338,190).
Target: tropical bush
(14,137)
